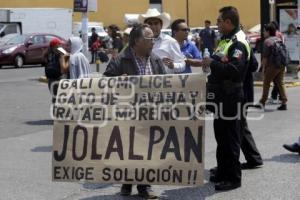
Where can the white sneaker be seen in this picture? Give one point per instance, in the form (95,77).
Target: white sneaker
(271,101)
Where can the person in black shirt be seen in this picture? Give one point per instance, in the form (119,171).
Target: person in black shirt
(208,38)
(116,40)
(93,39)
(53,71)
(228,67)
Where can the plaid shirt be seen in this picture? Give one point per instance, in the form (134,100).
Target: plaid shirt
(144,65)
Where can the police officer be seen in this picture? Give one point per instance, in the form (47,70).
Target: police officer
(228,67)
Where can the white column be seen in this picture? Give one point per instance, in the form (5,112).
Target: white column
(84,31)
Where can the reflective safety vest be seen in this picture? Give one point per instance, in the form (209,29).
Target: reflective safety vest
(224,45)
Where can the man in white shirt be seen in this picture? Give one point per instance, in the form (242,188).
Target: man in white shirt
(165,47)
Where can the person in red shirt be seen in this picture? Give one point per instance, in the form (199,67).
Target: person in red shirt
(92,40)
(96,45)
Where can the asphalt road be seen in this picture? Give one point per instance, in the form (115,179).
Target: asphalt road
(26,141)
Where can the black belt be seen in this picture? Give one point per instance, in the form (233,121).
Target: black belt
(231,84)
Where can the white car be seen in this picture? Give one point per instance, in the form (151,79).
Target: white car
(99,30)
(98,26)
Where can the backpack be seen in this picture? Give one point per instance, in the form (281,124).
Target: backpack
(279,55)
(52,67)
(253,64)
(103,57)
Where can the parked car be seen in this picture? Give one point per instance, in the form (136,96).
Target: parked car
(254,37)
(26,49)
(99,30)
(97,25)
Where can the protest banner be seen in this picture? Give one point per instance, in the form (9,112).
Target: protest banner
(130,129)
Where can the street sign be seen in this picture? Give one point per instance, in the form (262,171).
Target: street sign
(85,6)
(80,6)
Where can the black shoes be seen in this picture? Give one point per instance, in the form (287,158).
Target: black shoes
(147,193)
(250,165)
(244,165)
(126,190)
(144,191)
(213,175)
(282,107)
(220,184)
(295,148)
(215,178)
(213,170)
(227,185)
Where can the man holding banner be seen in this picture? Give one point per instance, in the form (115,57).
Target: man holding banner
(145,128)
(137,59)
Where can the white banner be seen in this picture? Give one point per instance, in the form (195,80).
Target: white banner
(130,129)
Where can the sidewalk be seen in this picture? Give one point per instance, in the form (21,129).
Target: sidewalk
(290,80)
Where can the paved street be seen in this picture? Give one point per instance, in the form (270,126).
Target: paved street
(26,140)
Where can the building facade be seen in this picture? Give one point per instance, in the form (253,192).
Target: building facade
(112,11)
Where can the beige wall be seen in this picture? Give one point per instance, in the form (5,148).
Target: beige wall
(109,11)
(200,10)
(36,3)
(206,9)
(177,9)
(112,11)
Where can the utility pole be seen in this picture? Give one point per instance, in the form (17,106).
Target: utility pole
(82,7)
(84,31)
(187,13)
(264,17)
(85,6)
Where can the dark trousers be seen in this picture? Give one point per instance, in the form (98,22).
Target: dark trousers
(53,87)
(227,134)
(275,92)
(248,145)
(94,54)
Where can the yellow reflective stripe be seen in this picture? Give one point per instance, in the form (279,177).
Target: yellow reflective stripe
(224,45)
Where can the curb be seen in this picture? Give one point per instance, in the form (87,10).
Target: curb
(287,84)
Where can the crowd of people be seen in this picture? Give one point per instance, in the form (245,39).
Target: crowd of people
(145,50)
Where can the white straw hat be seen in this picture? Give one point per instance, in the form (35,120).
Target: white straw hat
(154,13)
